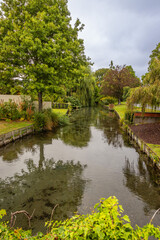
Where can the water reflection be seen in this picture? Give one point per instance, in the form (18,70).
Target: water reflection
(42,170)
(141,182)
(79,133)
(41,188)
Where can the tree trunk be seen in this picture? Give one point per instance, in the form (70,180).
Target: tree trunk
(40,101)
(119,101)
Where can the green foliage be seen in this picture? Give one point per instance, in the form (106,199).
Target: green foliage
(9,110)
(99,75)
(48,119)
(116,79)
(109,100)
(63,120)
(39,45)
(40,121)
(75,103)
(129,116)
(145,95)
(126,93)
(106,222)
(86,88)
(149,93)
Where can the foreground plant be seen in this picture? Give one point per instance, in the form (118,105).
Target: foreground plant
(106,222)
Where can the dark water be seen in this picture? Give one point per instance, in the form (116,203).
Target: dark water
(74,167)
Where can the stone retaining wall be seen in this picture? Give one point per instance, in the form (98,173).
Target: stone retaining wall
(14,135)
(19,98)
(144,147)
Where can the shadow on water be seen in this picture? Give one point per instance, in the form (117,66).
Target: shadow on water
(74,167)
(41,187)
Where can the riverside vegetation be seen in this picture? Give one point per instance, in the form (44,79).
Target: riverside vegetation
(106,222)
(23,114)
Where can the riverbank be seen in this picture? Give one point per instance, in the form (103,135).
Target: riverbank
(13,130)
(147,136)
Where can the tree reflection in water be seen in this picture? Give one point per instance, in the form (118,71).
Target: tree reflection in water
(142,182)
(41,188)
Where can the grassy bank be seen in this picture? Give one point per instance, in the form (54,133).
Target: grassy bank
(6,127)
(121,109)
(60,111)
(155,148)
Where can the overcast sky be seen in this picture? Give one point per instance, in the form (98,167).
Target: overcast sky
(125,31)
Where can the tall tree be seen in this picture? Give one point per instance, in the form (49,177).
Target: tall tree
(153,75)
(116,79)
(99,75)
(38,44)
(149,93)
(86,89)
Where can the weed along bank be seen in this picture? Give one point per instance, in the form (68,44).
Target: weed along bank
(70,169)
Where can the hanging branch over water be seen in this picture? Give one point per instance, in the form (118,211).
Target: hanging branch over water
(154,215)
(52,216)
(13,217)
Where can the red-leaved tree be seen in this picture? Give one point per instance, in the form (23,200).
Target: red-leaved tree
(116,79)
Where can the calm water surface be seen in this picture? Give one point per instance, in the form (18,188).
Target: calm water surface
(74,167)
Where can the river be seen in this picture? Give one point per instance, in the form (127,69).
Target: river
(74,167)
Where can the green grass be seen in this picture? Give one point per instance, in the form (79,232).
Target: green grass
(121,109)
(155,148)
(6,127)
(60,111)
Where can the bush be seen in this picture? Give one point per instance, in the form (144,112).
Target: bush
(109,100)
(107,222)
(75,103)
(40,121)
(9,110)
(47,120)
(27,109)
(129,116)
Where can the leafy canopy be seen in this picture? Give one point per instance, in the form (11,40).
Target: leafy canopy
(38,44)
(149,93)
(116,78)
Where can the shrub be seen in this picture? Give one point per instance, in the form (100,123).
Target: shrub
(129,116)
(27,109)
(9,110)
(109,100)
(40,121)
(106,222)
(47,120)
(75,103)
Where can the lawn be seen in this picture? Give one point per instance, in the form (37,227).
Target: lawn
(10,126)
(121,109)
(60,111)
